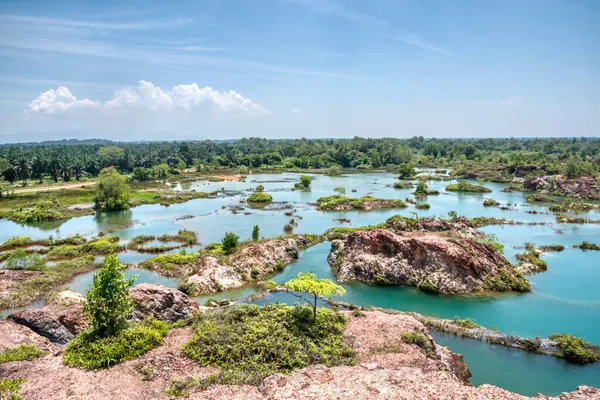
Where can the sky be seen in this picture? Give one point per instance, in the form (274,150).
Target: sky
(224,69)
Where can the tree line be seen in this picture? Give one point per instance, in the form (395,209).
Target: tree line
(66,162)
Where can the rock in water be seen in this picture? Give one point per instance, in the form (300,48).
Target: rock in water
(45,323)
(436,262)
(165,304)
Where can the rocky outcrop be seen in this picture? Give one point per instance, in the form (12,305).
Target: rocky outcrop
(45,323)
(165,304)
(13,334)
(399,223)
(73,319)
(249,263)
(435,262)
(583,187)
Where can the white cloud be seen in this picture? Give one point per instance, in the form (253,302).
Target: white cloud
(151,98)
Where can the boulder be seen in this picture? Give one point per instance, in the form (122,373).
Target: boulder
(13,334)
(165,304)
(43,322)
(67,298)
(436,262)
(73,319)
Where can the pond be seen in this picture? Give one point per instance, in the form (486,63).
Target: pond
(565,299)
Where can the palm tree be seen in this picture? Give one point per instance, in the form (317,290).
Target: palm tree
(93,166)
(78,170)
(65,170)
(38,166)
(54,168)
(10,174)
(23,170)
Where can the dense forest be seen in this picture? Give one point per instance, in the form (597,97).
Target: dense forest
(73,160)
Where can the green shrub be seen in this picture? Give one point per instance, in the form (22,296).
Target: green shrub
(422,206)
(176,258)
(552,247)
(403,185)
(538,198)
(260,188)
(112,190)
(183,236)
(466,187)
(10,388)
(531,256)
(420,340)
(256,233)
(20,259)
(22,352)
(19,241)
(490,203)
(575,349)
(260,197)
(466,323)
(491,240)
(585,245)
(108,302)
(88,350)
(249,342)
(229,242)
(427,286)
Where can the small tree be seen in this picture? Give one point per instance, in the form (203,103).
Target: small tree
(305,180)
(334,170)
(112,190)
(260,188)
(255,233)
(406,171)
(340,190)
(229,242)
(309,283)
(421,188)
(181,165)
(108,302)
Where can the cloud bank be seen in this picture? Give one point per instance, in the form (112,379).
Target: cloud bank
(147,98)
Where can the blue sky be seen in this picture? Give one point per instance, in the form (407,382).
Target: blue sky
(290,68)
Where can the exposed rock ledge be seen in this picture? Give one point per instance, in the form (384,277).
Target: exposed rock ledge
(583,187)
(249,263)
(387,368)
(447,262)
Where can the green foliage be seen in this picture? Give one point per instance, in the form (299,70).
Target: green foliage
(575,349)
(585,245)
(112,191)
(99,246)
(453,214)
(342,202)
(260,188)
(466,187)
(47,210)
(260,197)
(490,203)
(466,323)
(305,180)
(552,247)
(491,240)
(508,279)
(111,154)
(423,190)
(419,339)
(256,233)
(229,242)
(18,241)
(422,206)
(427,286)
(538,198)
(10,388)
(403,185)
(310,284)
(340,190)
(249,343)
(108,302)
(91,351)
(22,352)
(183,236)
(532,257)
(20,259)
(334,170)
(406,171)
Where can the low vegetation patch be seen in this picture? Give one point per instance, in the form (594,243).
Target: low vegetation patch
(419,339)
(22,352)
(20,259)
(575,349)
(403,185)
(571,206)
(249,343)
(422,206)
(46,210)
(338,202)
(466,323)
(490,203)
(466,187)
(513,280)
(10,388)
(91,351)
(538,198)
(99,246)
(260,197)
(552,247)
(585,245)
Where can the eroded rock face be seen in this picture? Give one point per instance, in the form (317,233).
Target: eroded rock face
(431,261)
(13,334)
(461,224)
(166,304)
(249,263)
(583,187)
(45,323)
(73,319)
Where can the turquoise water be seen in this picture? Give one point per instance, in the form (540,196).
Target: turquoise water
(566,298)
(82,283)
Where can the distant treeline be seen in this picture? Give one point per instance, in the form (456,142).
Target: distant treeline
(69,159)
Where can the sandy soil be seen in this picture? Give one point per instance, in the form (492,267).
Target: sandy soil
(55,187)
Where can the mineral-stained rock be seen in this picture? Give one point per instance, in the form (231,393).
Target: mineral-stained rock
(431,261)
(73,319)
(43,322)
(583,187)
(165,304)
(13,334)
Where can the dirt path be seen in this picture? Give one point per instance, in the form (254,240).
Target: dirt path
(55,187)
